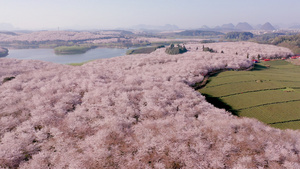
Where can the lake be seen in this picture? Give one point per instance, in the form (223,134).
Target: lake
(48,55)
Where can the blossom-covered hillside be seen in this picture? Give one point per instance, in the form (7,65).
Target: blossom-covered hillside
(135,111)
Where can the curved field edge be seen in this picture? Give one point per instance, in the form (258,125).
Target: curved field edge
(270,95)
(136,111)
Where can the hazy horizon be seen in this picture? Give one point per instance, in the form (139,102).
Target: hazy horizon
(93,14)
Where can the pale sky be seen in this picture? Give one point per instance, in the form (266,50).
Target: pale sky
(108,14)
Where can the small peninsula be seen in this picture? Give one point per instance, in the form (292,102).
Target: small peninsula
(68,50)
(3,52)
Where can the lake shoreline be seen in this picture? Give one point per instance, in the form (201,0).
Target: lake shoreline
(49,55)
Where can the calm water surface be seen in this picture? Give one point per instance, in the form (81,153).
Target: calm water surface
(48,55)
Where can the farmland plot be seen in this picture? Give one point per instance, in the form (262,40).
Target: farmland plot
(270,93)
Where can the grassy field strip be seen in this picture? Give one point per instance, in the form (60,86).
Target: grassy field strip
(242,88)
(265,104)
(283,112)
(284,116)
(253,91)
(234,79)
(288,125)
(234,75)
(237,76)
(286,81)
(229,83)
(254,99)
(289,121)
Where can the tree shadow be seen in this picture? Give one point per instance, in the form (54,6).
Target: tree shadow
(214,74)
(258,67)
(217,102)
(6,79)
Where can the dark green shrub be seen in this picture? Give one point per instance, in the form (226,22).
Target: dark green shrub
(208,41)
(6,79)
(244,36)
(207,49)
(172,50)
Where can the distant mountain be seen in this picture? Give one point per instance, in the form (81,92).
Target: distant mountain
(199,33)
(170,27)
(267,26)
(295,27)
(243,26)
(257,26)
(8,33)
(205,27)
(277,27)
(152,27)
(6,26)
(217,27)
(228,26)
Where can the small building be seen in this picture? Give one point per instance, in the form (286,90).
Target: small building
(294,57)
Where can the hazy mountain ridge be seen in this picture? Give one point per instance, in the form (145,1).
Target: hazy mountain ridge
(199,33)
(6,26)
(228,26)
(295,27)
(243,26)
(153,27)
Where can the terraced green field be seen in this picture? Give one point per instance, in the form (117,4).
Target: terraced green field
(270,93)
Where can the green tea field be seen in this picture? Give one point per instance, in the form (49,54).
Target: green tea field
(270,93)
